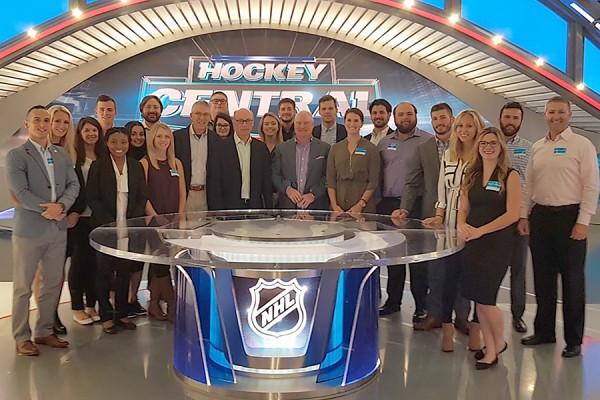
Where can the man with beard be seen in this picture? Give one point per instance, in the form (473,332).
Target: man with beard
(422,180)
(151,109)
(287,112)
(218,104)
(519,150)
(106,111)
(381,111)
(396,150)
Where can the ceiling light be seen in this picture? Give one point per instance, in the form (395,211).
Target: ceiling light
(453,18)
(539,62)
(31,32)
(409,3)
(76,12)
(582,12)
(580,86)
(497,39)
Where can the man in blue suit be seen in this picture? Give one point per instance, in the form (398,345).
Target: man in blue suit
(42,178)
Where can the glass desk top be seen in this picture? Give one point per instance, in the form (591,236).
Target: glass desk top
(275,240)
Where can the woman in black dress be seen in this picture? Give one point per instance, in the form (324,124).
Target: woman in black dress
(490,204)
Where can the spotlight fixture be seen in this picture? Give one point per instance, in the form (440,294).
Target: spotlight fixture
(497,39)
(31,32)
(77,13)
(539,62)
(453,18)
(580,86)
(409,3)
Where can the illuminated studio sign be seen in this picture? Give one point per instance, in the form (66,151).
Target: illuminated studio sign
(258,83)
(277,309)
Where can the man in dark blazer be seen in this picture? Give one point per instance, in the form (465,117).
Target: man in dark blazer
(422,185)
(302,184)
(329,131)
(195,159)
(380,111)
(43,181)
(240,168)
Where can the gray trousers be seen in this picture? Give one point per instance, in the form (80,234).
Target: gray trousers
(46,252)
(436,276)
(517,274)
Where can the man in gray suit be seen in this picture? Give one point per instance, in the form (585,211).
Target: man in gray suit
(300,167)
(422,181)
(42,178)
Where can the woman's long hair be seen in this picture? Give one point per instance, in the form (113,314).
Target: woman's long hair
(67,140)
(152,149)
(475,166)
(457,148)
(279,127)
(78,154)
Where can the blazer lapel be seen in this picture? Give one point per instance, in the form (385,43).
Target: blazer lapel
(35,154)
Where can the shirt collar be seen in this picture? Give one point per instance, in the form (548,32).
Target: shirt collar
(240,141)
(39,147)
(300,144)
(513,139)
(416,133)
(566,135)
(194,134)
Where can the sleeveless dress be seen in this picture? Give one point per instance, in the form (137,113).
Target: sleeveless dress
(485,260)
(163,188)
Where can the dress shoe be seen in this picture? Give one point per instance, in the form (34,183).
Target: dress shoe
(481,353)
(534,340)
(462,325)
(483,365)
(52,341)
(27,348)
(109,327)
(519,325)
(571,351)
(419,316)
(447,338)
(428,324)
(387,310)
(137,308)
(126,324)
(474,337)
(59,328)
(84,321)
(91,311)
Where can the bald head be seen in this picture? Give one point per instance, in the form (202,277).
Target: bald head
(243,121)
(303,126)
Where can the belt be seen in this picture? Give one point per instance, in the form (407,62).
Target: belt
(197,188)
(568,207)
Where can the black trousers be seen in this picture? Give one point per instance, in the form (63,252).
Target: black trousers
(82,274)
(553,253)
(112,273)
(517,274)
(397,273)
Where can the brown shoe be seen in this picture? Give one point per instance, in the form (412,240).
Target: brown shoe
(27,348)
(447,338)
(462,326)
(428,324)
(52,341)
(474,337)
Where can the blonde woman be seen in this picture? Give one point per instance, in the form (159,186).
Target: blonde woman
(465,130)
(166,195)
(271,132)
(489,209)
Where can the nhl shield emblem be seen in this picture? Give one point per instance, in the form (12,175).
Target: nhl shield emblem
(277,308)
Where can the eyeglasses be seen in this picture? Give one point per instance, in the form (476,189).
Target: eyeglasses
(494,144)
(219,101)
(222,126)
(244,121)
(199,114)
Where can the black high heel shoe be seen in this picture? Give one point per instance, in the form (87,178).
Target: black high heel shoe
(483,365)
(59,328)
(480,354)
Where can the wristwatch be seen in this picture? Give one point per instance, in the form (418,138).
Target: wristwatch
(362,202)
(64,208)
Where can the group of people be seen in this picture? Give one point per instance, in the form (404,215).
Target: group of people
(497,189)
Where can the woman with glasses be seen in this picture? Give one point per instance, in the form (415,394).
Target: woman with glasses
(223,125)
(489,208)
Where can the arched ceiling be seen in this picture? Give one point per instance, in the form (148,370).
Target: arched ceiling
(382,26)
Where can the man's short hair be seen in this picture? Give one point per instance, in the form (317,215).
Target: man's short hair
(200,103)
(219,92)
(406,102)
(148,98)
(328,97)
(37,107)
(380,102)
(442,106)
(105,97)
(558,99)
(512,105)
(286,100)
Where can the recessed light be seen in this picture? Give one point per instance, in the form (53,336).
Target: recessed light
(31,32)
(454,18)
(539,62)
(580,86)
(409,3)
(497,39)
(76,12)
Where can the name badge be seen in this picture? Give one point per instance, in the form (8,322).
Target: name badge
(392,146)
(50,160)
(560,151)
(519,152)
(174,172)
(494,186)
(361,151)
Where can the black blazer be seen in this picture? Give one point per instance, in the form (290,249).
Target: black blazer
(102,191)
(287,135)
(389,131)
(183,152)
(80,202)
(340,132)
(226,176)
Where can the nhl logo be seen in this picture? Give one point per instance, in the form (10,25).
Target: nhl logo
(277,308)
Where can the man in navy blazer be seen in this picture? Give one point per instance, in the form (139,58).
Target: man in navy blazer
(240,168)
(42,179)
(300,168)
(192,145)
(329,131)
